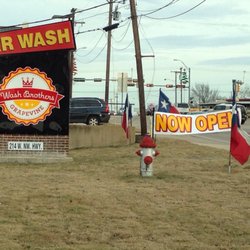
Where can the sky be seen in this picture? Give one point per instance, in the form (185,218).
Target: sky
(210,37)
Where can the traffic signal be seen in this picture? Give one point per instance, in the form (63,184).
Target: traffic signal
(169,85)
(97,79)
(77,79)
(180,86)
(130,82)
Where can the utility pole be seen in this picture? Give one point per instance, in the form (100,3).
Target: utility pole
(70,17)
(139,68)
(108,53)
(71,55)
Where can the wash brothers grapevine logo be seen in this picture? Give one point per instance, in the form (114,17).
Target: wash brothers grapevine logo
(28,96)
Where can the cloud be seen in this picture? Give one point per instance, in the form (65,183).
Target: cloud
(197,41)
(228,61)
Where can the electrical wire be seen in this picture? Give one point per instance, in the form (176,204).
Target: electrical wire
(152,50)
(50,19)
(163,7)
(29,23)
(92,60)
(94,47)
(124,34)
(98,14)
(121,49)
(180,14)
(97,6)
(150,46)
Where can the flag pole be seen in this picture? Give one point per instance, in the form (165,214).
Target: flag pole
(153,124)
(233,103)
(229,163)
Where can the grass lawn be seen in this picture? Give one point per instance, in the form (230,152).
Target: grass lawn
(99,201)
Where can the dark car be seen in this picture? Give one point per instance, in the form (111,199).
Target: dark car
(226,106)
(151,108)
(89,110)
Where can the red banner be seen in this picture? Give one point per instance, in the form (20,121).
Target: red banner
(55,36)
(31,94)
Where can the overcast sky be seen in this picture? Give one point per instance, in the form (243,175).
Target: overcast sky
(213,39)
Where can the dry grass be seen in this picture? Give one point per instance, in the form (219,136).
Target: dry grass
(100,202)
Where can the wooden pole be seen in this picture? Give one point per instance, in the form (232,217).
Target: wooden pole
(108,54)
(139,68)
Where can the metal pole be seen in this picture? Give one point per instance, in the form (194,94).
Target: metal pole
(189,84)
(189,77)
(153,124)
(181,82)
(139,68)
(230,157)
(122,89)
(175,80)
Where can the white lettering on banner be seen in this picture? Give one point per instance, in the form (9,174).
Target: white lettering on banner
(177,124)
(25,145)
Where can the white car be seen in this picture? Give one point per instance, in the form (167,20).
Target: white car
(227,106)
(183,108)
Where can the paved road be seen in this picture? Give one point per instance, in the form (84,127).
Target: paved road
(217,140)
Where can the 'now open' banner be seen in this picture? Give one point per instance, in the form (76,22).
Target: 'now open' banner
(177,124)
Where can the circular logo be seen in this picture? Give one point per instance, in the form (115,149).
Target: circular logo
(28,96)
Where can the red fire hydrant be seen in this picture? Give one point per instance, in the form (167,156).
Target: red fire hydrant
(147,153)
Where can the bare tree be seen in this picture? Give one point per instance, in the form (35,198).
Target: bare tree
(203,94)
(245,92)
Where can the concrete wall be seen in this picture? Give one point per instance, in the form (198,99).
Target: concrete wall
(105,135)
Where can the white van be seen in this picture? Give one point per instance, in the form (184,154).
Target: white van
(183,108)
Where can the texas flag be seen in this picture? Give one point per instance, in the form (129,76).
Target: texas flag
(127,116)
(239,147)
(165,105)
(239,142)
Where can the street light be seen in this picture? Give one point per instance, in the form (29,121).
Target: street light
(68,16)
(189,76)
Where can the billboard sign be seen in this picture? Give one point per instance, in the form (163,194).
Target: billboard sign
(55,36)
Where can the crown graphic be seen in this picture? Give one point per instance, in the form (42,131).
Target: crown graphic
(27,83)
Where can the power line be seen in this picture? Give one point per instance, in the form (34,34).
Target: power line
(96,55)
(163,7)
(125,33)
(94,47)
(95,7)
(63,16)
(170,17)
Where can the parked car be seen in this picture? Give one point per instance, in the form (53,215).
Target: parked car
(226,106)
(151,108)
(88,110)
(183,108)
(120,111)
